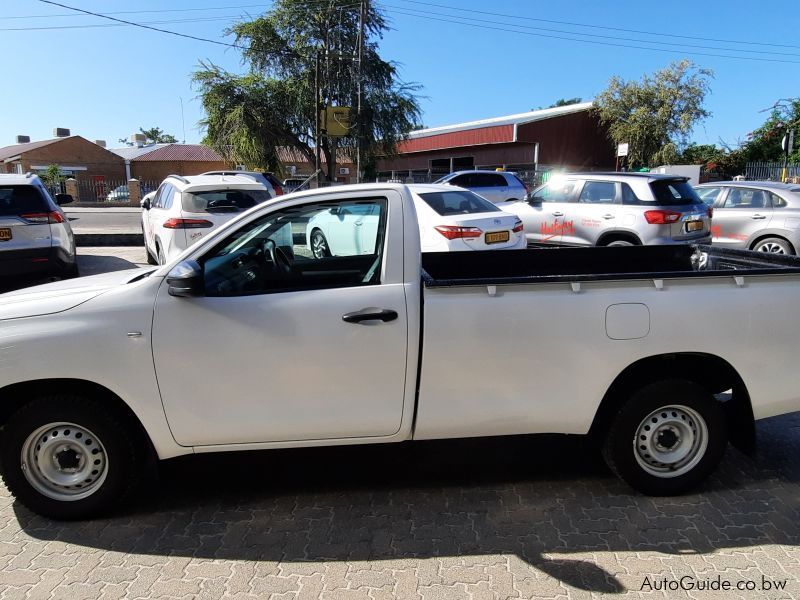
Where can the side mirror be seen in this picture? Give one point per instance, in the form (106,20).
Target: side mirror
(335,210)
(534,201)
(62,199)
(146,203)
(186,279)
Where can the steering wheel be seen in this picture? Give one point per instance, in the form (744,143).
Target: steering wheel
(278,256)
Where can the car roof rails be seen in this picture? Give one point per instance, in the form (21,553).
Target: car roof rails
(180,178)
(28,175)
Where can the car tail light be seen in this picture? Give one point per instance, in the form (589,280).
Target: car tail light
(451,232)
(517,226)
(51,217)
(187,224)
(661,217)
(278,190)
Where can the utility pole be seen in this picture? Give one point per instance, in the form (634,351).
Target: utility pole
(361,25)
(317,136)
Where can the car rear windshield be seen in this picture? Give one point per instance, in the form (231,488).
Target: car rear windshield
(457,203)
(669,192)
(229,200)
(18,200)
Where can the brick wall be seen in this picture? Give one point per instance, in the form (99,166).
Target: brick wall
(76,151)
(156,170)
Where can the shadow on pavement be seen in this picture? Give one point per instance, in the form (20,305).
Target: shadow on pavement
(94,264)
(531,496)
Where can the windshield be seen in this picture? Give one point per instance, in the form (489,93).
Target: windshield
(673,192)
(19,200)
(228,200)
(457,203)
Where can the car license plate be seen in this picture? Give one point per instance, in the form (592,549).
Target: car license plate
(497,237)
(5,234)
(694,226)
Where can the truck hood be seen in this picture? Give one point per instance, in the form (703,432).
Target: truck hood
(62,295)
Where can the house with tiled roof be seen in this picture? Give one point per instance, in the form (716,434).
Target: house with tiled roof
(77,157)
(153,162)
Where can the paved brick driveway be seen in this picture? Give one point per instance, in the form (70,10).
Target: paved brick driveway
(518,518)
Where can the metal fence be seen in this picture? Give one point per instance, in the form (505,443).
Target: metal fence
(530,177)
(109,190)
(770,171)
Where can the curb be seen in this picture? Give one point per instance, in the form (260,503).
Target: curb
(109,239)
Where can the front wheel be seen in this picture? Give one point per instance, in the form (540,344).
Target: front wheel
(319,244)
(68,457)
(667,438)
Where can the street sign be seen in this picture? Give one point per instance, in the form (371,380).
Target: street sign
(336,121)
(622,150)
(787,142)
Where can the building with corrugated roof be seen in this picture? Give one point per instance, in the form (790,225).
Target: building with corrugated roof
(152,163)
(565,137)
(77,157)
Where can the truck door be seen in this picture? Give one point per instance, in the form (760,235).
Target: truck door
(283,348)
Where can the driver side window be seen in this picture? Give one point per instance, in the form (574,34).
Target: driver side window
(312,246)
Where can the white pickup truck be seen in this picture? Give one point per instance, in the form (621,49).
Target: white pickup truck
(662,353)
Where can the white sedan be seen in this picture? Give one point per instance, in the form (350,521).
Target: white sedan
(450,220)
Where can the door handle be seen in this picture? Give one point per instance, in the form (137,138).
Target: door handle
(608,216)
(370,314)
(558,213)
(759,217)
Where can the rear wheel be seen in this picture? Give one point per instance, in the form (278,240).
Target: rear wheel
(319,244)
(68,457)
(667,438)
(619,243)
(773,245)
(71,271)
(162,260)
(151,260)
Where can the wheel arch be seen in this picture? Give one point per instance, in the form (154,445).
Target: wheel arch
(763,236)
(710,371)
(617,235)
(15,396)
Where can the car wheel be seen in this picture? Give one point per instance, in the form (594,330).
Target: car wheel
(319,244)
(65,456)
(773,245)
(620,243)
(667,438)
(151,260)
(162,260)
(71,272)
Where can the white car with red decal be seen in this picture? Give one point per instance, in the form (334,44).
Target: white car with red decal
(185,209)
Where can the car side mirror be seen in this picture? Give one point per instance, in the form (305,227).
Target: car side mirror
(185,280)
(335,210)
(62,199)
(146,203)
(534,201)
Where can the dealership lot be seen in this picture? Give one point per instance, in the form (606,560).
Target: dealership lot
(510,518)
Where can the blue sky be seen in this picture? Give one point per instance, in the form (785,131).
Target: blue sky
(106,82)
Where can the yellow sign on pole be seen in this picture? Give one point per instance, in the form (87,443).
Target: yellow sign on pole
(336,121)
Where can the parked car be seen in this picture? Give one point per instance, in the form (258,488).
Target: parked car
(755,215)
(268,180)
(614,209)
(35,234)
(236,345)
(118,194)
(449,220)
(495,186)
(185,209)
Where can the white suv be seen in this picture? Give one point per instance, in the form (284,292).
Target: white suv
(35,235)
(185,209)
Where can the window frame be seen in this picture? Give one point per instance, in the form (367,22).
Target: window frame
(614,200)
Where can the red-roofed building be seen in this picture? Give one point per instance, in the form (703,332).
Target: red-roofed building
(566,137)
(154,162)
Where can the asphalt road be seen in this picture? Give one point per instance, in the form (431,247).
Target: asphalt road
(84,220)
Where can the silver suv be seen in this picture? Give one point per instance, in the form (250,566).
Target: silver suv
(35,235)
(613,209)
(495,186)
(755,215)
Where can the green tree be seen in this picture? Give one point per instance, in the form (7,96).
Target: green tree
(250,116)
(764,143)
(655,115)
(156,135)
(52,176)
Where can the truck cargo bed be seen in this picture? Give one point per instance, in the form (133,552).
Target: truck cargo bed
(545,265)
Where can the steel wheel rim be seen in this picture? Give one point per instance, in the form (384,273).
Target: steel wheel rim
(772,248)
(318,245)
(64,461)
(670,441)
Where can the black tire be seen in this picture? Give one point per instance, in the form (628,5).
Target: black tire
(71,271)
(620,243)
(622,445)
(773,245)
(319,244)
(162,260)
(151,260)
(124,461)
